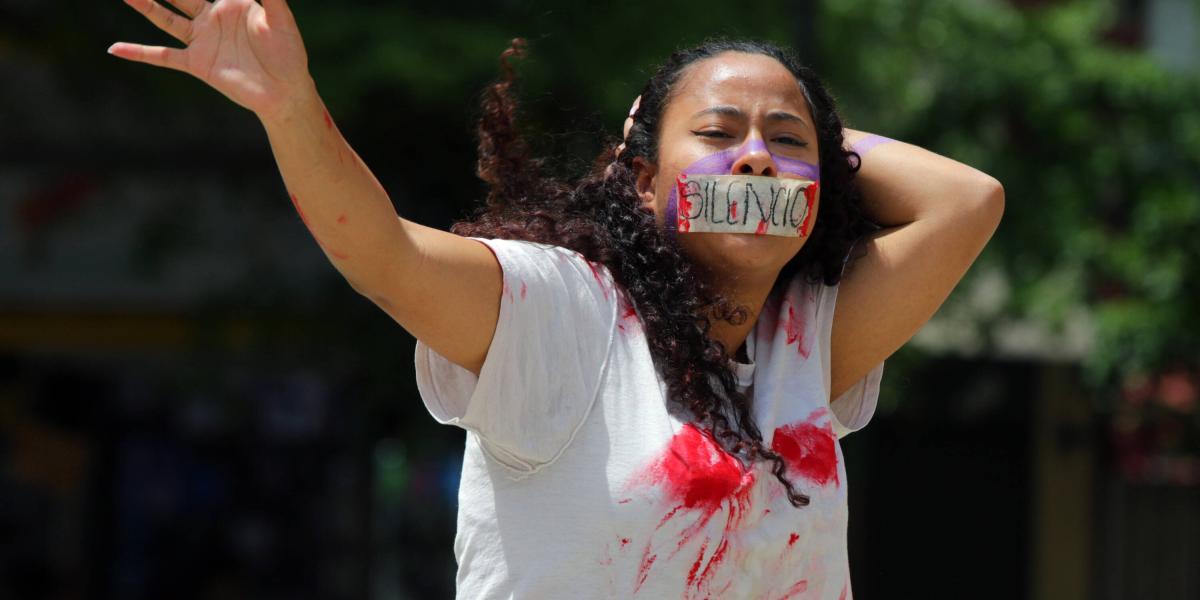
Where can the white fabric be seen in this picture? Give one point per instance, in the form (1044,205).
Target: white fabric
(579,481)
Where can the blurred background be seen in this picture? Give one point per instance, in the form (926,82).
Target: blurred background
(195,404)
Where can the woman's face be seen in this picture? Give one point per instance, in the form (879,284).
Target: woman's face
(734,113)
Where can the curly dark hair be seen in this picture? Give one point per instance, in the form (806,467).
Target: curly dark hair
(599,216)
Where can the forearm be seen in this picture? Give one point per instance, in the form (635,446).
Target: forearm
(338,198)
(902,183)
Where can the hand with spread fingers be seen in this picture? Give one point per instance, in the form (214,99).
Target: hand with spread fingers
(251,53)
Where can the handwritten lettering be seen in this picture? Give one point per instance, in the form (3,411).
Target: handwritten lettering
(769,205)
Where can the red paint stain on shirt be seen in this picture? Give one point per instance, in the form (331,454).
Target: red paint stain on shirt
(792,539)
(596,275)
(809,449)
(733,209)
(797,588)
(762,228)
(845,588)
(700,479)
(523,290)
(628,316)
(796,327)
(691,578)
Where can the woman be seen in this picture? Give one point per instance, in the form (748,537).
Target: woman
(617,346)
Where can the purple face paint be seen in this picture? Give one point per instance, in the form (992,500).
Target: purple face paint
(721,163)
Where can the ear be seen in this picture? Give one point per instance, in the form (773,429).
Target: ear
(645,175)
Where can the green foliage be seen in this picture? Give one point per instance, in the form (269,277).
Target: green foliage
(1098,148)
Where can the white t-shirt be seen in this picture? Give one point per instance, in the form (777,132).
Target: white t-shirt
(577,482)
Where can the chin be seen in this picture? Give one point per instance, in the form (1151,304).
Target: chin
(743,253)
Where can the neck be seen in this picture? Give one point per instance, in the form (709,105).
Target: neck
(749,293)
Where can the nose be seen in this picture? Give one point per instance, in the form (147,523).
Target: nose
(754,159)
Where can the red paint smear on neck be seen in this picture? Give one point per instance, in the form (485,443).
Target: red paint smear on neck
(809,449)
(328,120)
(341,219)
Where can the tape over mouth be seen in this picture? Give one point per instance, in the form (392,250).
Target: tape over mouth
(750,204)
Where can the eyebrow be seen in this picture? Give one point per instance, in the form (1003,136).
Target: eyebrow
(728,110)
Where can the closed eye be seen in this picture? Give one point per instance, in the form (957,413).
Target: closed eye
(790,141)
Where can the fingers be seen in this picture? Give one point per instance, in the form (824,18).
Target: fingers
(191,8)
(179,27)
(632,111)
(170,58)
(278,11)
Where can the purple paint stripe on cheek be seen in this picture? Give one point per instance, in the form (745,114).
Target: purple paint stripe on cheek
(718,163)
(792,166)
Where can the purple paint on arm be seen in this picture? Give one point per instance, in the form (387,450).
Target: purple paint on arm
(863,146)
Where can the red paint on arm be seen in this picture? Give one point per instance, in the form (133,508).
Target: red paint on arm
(304,218)
(296,204)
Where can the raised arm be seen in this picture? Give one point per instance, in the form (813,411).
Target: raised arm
(937,215)
(443,288)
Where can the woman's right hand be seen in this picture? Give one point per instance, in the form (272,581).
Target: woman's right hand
(250,53)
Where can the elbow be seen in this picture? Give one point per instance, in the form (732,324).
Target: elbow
(989,198)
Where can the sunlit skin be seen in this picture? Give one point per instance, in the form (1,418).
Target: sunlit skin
(755,98)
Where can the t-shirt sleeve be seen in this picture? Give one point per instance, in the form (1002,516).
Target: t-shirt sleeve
(854,407)
(542,372)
